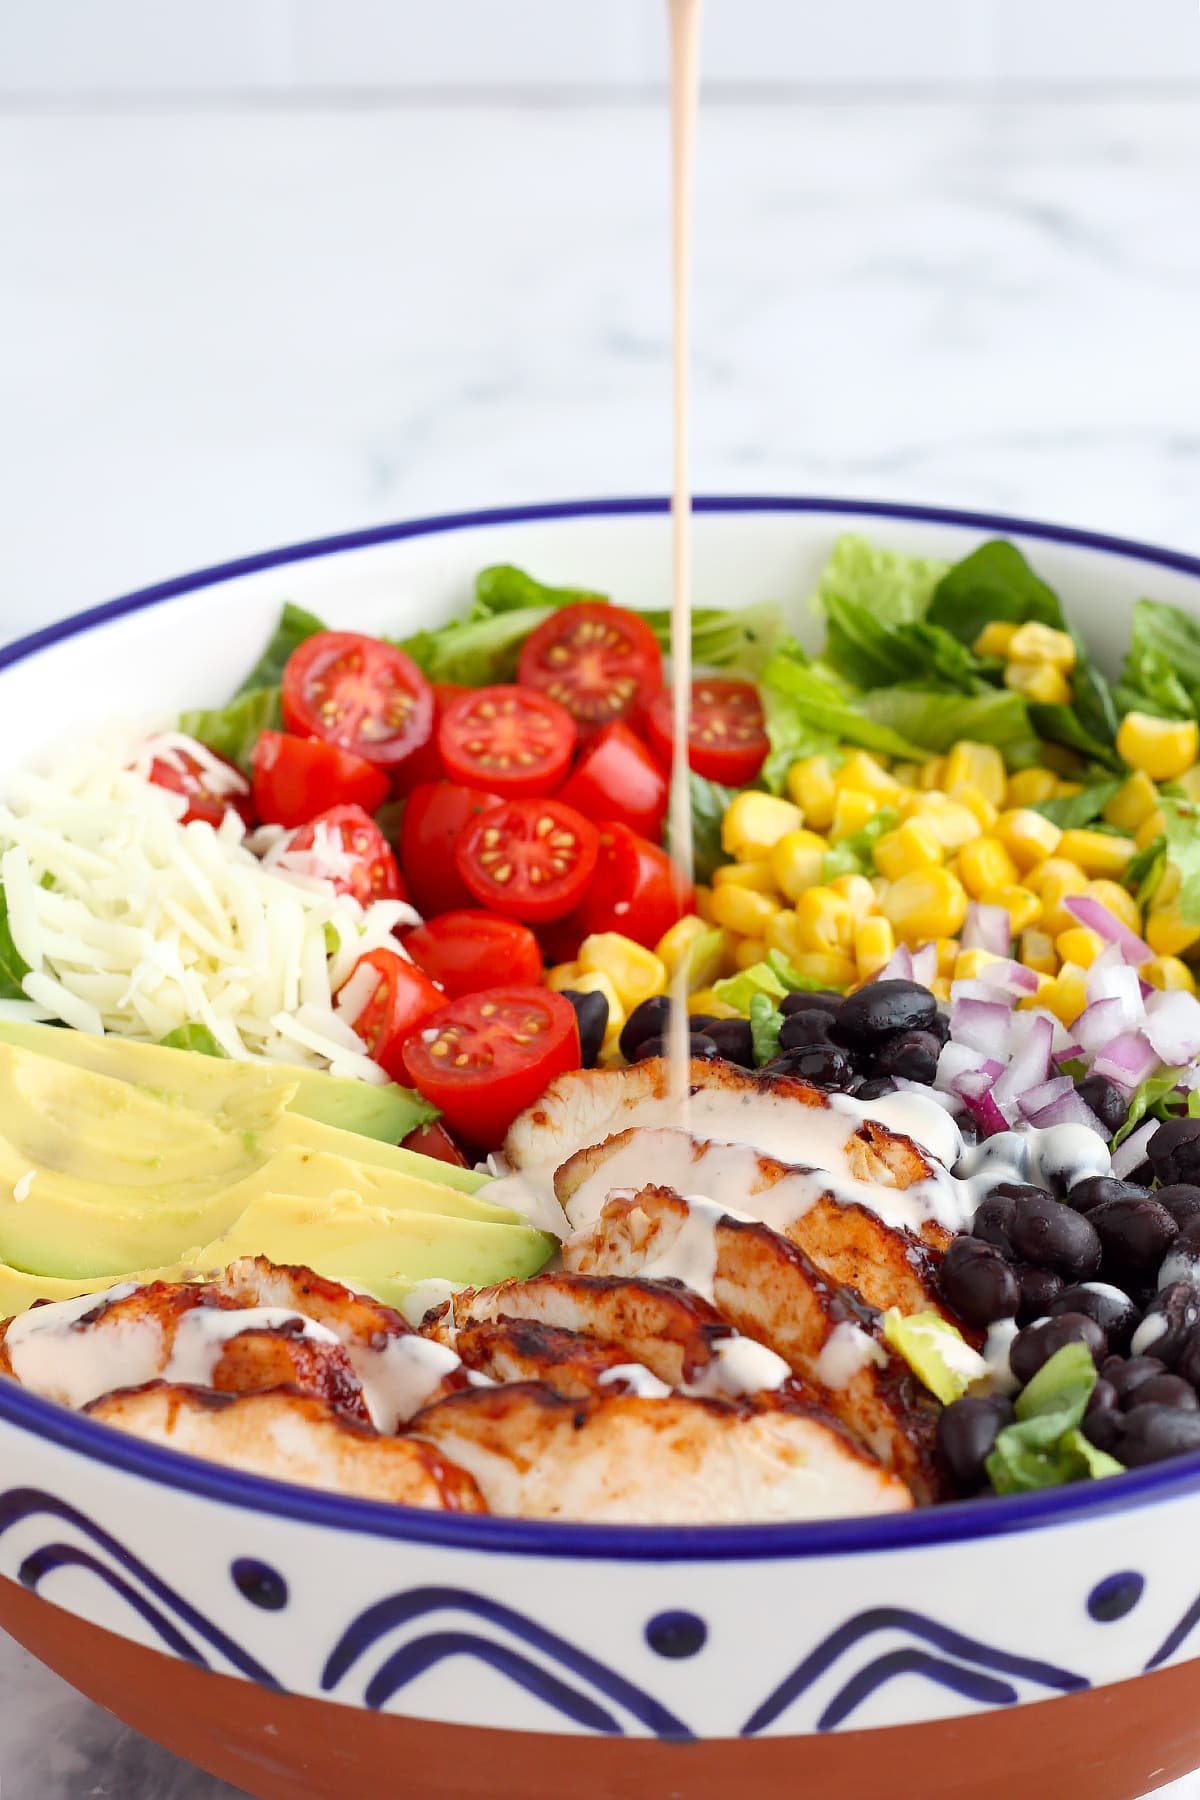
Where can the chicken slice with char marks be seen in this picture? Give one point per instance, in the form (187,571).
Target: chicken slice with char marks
(292,1437)
(769,1289)
(622,1459)
(517,1349)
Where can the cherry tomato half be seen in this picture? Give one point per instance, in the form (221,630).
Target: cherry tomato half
(636,890)
(425,763)
(467,951)
(435,1141)
(516,741)
(404,998)
(209,791)
(485,1057)
(434,817)
(601,662)
(297,777)
(528,859)
(358,693)
(348,831)
(726,738)
(615,777)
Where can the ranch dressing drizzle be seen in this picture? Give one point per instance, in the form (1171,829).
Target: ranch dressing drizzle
(685,88)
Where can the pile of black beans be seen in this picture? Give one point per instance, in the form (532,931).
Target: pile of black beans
(1108,1263)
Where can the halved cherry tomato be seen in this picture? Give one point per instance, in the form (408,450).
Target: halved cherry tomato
(358,693)
(516,741)
(297,777)
(348,831)
(425,764)
(209,795)
(601,662)
(615,777)
(434,817)
(485,1057)
(528,859)
(404,998)
(726,738)
(636,890)
(435,1141)
(467,951)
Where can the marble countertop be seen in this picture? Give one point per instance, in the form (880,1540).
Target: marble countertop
(226,329)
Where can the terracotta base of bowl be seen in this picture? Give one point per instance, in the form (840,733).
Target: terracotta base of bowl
(1112,1743)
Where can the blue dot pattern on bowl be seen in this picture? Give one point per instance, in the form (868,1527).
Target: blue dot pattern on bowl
(260,1584)
(676,1633)
(1115,1596)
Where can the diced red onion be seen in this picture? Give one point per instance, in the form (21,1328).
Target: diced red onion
(1069,1052)
(925,965)
(1030,1065)
(1098,1024)
(1097,917)
(973,1082)
(1069,1109)
(1172,1024)
(952,1102)
(898,967)
(955,1060)
(1115,980)
(983,1024)
(1012,977)
(980,990)
(986,1113)
(1132,1153)
(987,928)
(1036,1099)
(1127,1060)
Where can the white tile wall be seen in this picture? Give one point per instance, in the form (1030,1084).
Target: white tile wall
(143,47)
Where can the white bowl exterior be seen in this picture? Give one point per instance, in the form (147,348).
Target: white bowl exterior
(966,1608)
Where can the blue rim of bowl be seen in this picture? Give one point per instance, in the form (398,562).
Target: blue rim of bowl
(952,1523)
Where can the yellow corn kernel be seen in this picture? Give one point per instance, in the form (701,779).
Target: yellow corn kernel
(634,971)
(995,638)
(783,933)
(1055,869)
(1030,787)
(1133,802)
(874,943)
(810,783)
(907,774)
(1119,901)
(797,861)
(1189,781)
(1169,884)
(704,904)
(986,864)
(1038,681)
(851,810)
(748,951)
(969,962)
(1161,748)
(1066,995)
(705,1001)
(1037,951)
(742,910)
(677,946)
(827,967)
(910,846)
(756,875)
(947,954)
(933,773)
(754,823)
(939,987)
(1169,973)
(977,803)
(1150,828)
(1096,852)
(1041,643)
(1166,933)
(1023,908)
(858,894)
(1045,985)
(862,773)
(951,823)
(979,766)
(1029,837)
(595,981)
(562,975)
(824,920)
(928,903)
(1080,945)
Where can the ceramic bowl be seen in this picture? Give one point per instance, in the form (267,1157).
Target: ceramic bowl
(302,1645)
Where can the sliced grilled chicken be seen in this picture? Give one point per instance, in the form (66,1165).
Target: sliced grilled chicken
(293,1437)
(515,1349)
(869,1248)
(674,1461)
(674,1333)
(769,1289)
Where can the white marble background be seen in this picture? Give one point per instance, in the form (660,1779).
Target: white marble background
(230,322)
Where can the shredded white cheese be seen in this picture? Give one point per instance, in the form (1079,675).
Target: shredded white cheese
(135,924)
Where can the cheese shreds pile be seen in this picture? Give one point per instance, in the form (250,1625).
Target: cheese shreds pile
(135,924)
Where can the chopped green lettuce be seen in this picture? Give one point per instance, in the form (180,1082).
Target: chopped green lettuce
(1145,869)
(766,1022)
(793,981)
(1061,725)
(1162,670)
(741,638)
(896,588)
(13,967)
(502,587)
(295,625)
(871,652)
(710,802)
(938,1355)
(806,709)
(855,855)
(1183,852)
(233,730)
(937,721)
(739,990)
(1076,810)
(1044,1447)
(993,582)
(1153,1096)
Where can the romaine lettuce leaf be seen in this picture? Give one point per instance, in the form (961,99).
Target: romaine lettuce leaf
(1153,1096)
(854,855)
(871,652)
(1045,1448)
(13,967)
(502,587)
(993,582)
(710,803)
(1183,852)
(766,1022)
(936,722)
(1076,810)
(294,626)
(233,730)
(1061,725)
(896,588)
(806,709)
(192,1036)
(1162,669)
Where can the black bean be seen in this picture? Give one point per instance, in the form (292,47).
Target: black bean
(880,1009)
(1050,1235)
(1187,1362)
(702,1021)
(649,1020)
(1135,1233)
(912,1054)
(1163,1390)
(993,1220)
(1150,1434)
(939,1025)
(875,1087)
(1103,1398)
(1174,1151)
(1177,1306)
(591,1016)
(824,1065)
(977,1282)
(1109,1103)
(1094,1189)
(733,1039)
(805,1026)
(1182,1201)
(966,1432)
(794,1003)
(702,1048)
(1038,1343)
(1103,1427)
(1126,1377)
(1040,1288)
(1112,1310)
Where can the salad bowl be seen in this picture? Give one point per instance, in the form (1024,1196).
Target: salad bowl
(300,1643)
